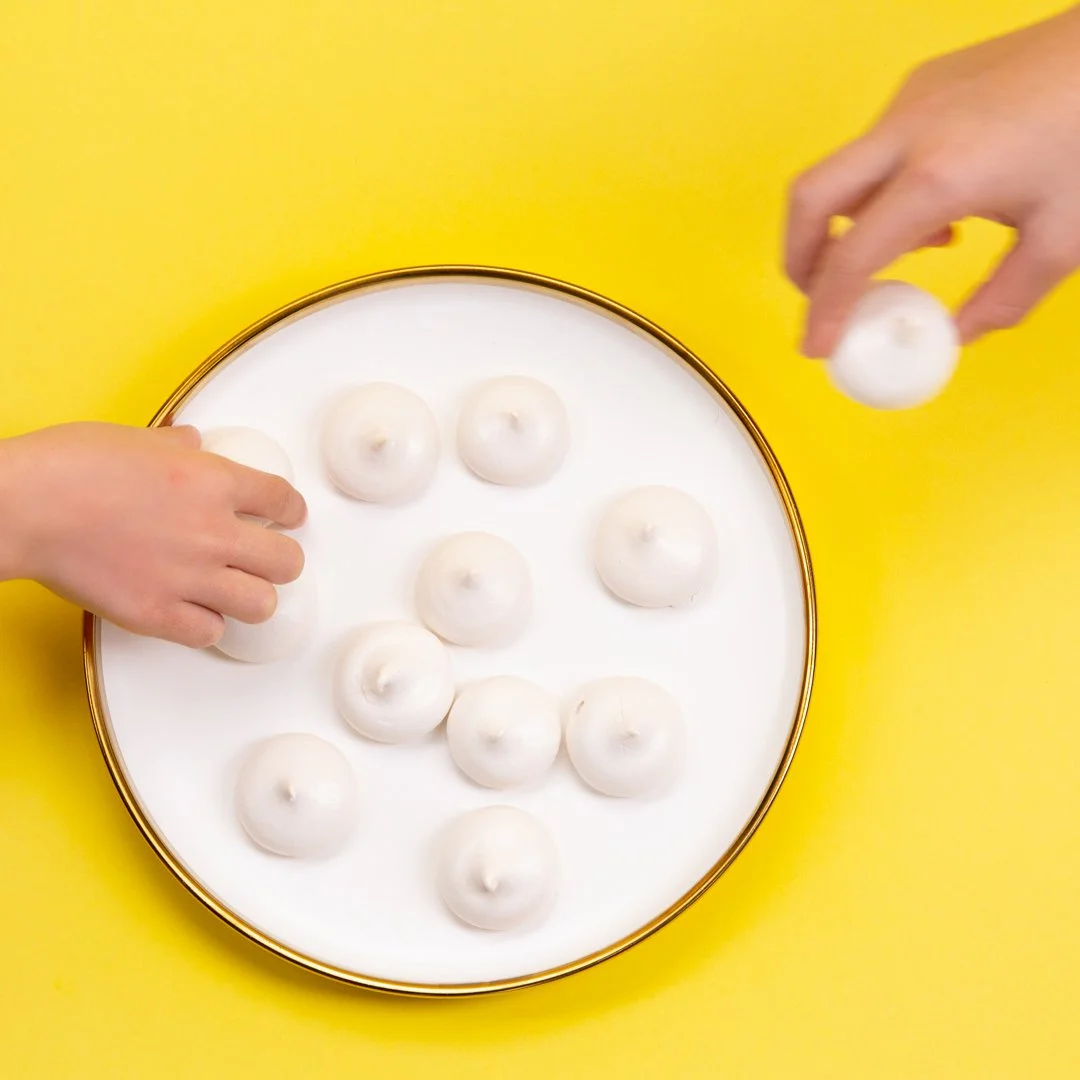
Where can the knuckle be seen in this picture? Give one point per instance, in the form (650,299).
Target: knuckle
(224,481)
(217,474)
(939,180)
(202,474)
(184,434)
(806,194)
(209,488)
(213,545)
(264,601)
(846,267)
(149,614)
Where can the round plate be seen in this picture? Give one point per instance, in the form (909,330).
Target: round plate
(173,723)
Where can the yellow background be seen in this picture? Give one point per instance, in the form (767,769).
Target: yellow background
(171,171)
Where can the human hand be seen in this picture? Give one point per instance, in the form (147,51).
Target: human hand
(141,527)
(991,132)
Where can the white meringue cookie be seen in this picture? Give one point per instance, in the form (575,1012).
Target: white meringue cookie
(900,348)
(247,446)
(394,682)
(296,795)
(474,589)
(381,444)
(497,868)
(625,736)
(513,430)
(656,547)
(504,732)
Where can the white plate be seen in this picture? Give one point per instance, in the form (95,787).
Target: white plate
(174,723)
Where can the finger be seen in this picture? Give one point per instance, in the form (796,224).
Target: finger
(835,187)
(940,239)
(192,625)
(185,435)
(263,495)
(266,554)
(1043,256)
(896,221)
(240,596)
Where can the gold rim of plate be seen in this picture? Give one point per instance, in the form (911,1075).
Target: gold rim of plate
(390,278)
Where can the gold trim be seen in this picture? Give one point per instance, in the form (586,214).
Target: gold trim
(99,707)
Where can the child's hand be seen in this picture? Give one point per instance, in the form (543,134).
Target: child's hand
(141,527)
(991,132)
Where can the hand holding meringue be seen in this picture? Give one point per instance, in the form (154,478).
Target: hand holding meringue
(284,635)
(900,349)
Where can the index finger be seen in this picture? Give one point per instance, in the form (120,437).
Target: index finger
(898,219)
(838,186)
(264,495)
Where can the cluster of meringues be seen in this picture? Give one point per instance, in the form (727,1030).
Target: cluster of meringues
(498,867)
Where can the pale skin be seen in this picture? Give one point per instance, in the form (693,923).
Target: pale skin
(142,527)
(991,132)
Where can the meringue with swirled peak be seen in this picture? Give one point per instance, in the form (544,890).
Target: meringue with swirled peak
(296,795)
(900,348)
(250,447)
(514,431)
(474,589)
(497,869)
(625,736)
(394,682)
(504,731)
(656,547)
(380,444)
